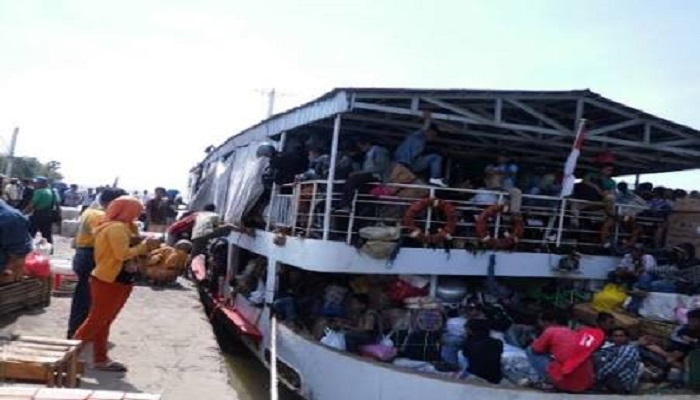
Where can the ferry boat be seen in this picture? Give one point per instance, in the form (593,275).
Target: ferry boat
(297,227)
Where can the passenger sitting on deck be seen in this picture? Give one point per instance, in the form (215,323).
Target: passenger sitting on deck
(501,175)
(167,263)
(482,352)
(15,243)
(374,169)
(412,153)
(633,265)
(685,339)
(651,277)
(363,327)
(618,367)
(319,164)
(558,345)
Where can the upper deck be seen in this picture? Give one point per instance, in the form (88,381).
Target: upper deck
(537,128)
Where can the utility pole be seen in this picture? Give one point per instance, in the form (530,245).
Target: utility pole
(11,155)
(270,102)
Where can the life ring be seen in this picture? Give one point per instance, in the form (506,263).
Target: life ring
(510,239)
(442,206)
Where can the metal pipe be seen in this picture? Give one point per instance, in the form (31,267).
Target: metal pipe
(561,221)
(331,177)
(498,217)
(351,222)
(429,216)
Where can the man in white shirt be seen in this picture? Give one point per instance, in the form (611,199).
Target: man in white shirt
(12,193)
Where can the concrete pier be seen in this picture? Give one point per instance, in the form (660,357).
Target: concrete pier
(163,337)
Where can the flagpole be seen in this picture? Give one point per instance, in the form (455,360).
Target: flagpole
(569,179)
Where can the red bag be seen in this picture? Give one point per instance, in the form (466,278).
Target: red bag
(399,290)
(37,265)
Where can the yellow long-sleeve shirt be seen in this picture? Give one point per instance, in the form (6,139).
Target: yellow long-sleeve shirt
(112,249)
(85,236)
(90,218)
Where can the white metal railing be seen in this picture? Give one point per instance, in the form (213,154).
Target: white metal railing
(545,216)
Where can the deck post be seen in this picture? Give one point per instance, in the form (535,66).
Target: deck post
(275,188)
(331,178)
(433,285)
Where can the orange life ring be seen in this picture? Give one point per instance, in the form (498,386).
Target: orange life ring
(442,206)
(510,239)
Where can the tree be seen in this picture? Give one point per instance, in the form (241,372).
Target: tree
(30,167)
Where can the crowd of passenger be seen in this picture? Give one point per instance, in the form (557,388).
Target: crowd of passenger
(418,160)
(391,319)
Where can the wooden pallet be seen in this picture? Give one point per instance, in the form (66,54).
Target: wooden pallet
(20,393)
(53,362)
(24,294)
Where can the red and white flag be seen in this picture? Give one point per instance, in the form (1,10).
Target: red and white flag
(567,187)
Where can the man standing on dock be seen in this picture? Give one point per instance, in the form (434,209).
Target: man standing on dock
(15,242)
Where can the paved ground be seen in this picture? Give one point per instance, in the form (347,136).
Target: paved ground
(163,337)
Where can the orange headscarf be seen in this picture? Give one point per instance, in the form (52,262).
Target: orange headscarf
(125,209)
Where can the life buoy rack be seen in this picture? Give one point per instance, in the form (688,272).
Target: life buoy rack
(444,233)
(510,239)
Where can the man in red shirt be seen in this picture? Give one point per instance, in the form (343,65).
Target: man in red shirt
(562,356)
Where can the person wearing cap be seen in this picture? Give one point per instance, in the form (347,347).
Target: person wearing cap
(375,168)
(41,208)
(412,154)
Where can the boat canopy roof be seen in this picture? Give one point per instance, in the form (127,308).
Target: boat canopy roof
(539,125)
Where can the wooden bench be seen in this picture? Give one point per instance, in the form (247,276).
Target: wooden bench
(22,393)
(53,362)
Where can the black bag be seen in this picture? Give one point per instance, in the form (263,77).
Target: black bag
(125,277)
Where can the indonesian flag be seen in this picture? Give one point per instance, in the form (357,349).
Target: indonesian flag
(567,187)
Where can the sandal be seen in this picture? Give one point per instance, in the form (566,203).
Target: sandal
(111,366)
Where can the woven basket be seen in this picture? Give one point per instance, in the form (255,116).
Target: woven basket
(658,329)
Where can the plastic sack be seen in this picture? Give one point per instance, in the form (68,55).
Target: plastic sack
(381,191)
(661,306)
(378,352)
(400,290)
(611,298)
(41,245)
(37,265)
(333,339)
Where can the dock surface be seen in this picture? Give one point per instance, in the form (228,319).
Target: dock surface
(162,335)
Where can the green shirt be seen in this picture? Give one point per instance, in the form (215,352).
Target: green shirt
(605,184)
(43,199)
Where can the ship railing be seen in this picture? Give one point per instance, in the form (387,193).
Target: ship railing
(301,209)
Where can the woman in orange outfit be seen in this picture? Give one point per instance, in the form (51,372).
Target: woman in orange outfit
(110,285)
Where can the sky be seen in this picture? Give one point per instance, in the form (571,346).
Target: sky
(137,89)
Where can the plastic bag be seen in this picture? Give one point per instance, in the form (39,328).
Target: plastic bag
(37,265)
(611,298)
(334,339)
(41,245)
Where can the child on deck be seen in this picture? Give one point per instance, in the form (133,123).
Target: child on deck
(167,263)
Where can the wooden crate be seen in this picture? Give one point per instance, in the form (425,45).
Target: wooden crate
(24,294)
(40,359)
(20,393)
